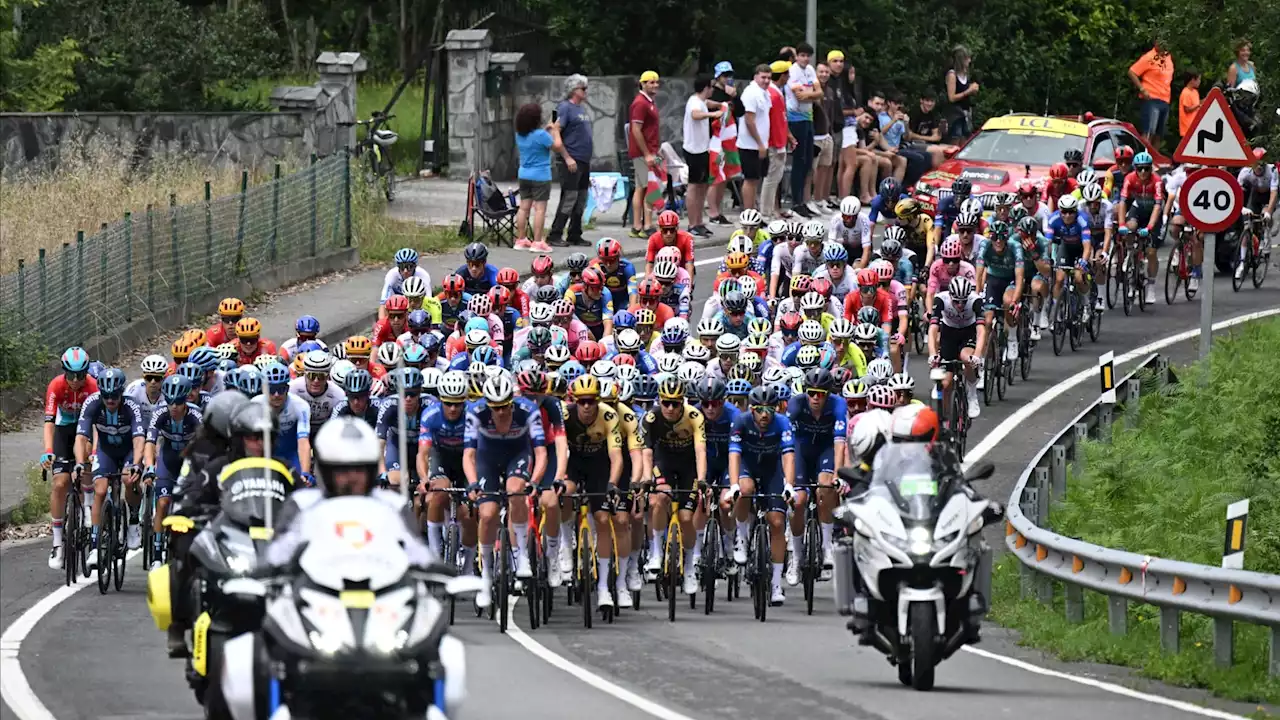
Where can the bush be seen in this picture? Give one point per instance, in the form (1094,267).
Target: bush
(21,353)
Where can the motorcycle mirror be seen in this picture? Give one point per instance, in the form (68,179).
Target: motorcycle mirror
(244,586)
(981,471)
(464,585)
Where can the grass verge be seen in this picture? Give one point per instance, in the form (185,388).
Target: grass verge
(1161,489)
(380,236)
(35,504)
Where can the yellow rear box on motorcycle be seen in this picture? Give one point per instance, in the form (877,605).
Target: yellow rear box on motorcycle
(200,644)
(158,597)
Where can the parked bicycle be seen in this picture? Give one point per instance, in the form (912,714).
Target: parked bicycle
(374,151)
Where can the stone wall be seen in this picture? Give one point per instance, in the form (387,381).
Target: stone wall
(307,121)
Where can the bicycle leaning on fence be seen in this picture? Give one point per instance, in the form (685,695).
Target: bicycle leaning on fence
(374,150)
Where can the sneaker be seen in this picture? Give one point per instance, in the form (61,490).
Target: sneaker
(802,211)
(583,243)
(1011,351)
(828,559)
(982,382)
(540,247)
(634,582)
(523,244)
(816,208)
(1239,270)
(833,206)
(93,558)
(55,558)
(554,577)
(637,233)
(1035,332)
(87,518)
(793,571)
(523,569)
(1193,284)
(690,581)
(777,597)
(720,220)
(1151,294)
(1043,320)
(604,598)
(740,550)
(975,407)
(156,565)
(134,537)
(700,231)
(654,566)
(1099,304)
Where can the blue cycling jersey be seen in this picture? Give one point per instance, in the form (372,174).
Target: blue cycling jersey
(449,312)
(948,211)
(592,313)
(789,352)
(619,279)
(176,433)
(718,432)
(482,284)
(115,427)
(761,448)
(821,432)
(294,422)
(522,435)
(388,427)
(343,409)
(439,432)
(740,328)
(1059,231)
(878,209)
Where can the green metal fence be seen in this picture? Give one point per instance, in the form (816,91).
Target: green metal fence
(152,262)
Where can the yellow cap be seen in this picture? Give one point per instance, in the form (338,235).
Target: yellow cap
(835,55)
(648,75)
(779,66)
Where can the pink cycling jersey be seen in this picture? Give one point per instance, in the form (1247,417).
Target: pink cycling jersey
(939,278)
(898,292)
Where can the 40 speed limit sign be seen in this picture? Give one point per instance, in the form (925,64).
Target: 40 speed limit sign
(1211,199)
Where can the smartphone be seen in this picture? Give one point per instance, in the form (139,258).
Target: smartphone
(555,116)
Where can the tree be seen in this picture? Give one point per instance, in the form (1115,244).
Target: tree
(39,79)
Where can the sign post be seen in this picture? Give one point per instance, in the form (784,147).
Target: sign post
(1211,199)
(1233,545)
(1107,375)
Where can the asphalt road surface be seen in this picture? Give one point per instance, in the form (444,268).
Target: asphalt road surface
(95,656)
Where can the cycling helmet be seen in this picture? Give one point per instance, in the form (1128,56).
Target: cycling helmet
(728,344)
(340,370)
(668,219)
(592,278)
(967,221)
(359,346)
(811,332)
(961,188)
(318,361)
(419,321)
(546,295)
(1029,225)
(542,265)
(624,319)
(691,373)
(710,327)
(813,231)
(1068,203)
(834,252)
(867,278)
(737,387)
(759,326)
(854,389)
(557,355)
(850,206)
(541,314)
(765,396)
(480,305)
(1142,158)
(305,347)
(866,333)
(175,389)
(890,249)
(751,361)
(737,261)
(889,189)
(389,354)
(309,325)
(584,387)
(777,229)
(801,284)
(906,208)
(453,386)
(671,388)
(750,217)
(665,270)
(628,340)
(695,352)
(808,356)
(1091,192)
(894,233)
(249,381)
(645,387)
(870,434)
(817,379)
(538,339)
(1073,155)
(812,301)
(1018,212)
(1005,199)
(883,269)
(225,351)
(739,242)
(668,252)
(740,371)
(262,361)
(562,309)
(231,307)
(608,249)
(625,373)
(182,348)
(868,314)
(577,262)
(952,249)
(1028,186)
(1124,152)
(960,288)
(712,389)
(151,364)
(735,302)
(790,322)
(453,284)
(499,390)
(499,296)
(111,382)
(588,352)
(603,369)
(475,252)
(841,329)
(357,382)
(190,371)
(1086,176)
(484,355)
(572,370)
(914,423)
(1059,171)
(879,370)
(901,381)
(206,358)
(394,304)
(669,363)
(411,379)
(649,288)
(406,256)
(999,229)
(972,205)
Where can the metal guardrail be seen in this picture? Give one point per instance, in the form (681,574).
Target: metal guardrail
(1173,586)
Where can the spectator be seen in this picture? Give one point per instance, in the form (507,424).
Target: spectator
(827,120)
(1188,101)
(918,162)
(833,101)
(1242,69)
(643,142)
(802,90)
(753,135)
(926,128)
(859,157)
(724,91)
(575,161)
(780,141)
(1152,75)
(697,149)
(535,145)
(960,91)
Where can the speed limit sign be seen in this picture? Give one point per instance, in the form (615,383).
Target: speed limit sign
(1211,199)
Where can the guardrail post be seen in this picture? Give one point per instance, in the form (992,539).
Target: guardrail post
(1162,371)
(1224,642)
(1170,628)
(1117,614)
(102,269)
(1041,478)
(208,222)
(1275,651)
(128,266)
(22,289)
(1131,403)
(44,292)
(1057,472)
(1106,418)
(1077,449)
(1074,603)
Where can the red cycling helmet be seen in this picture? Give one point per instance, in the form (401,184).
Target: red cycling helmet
(542,265)
(867,277)
(1027,187)
(592,278)
(1059,171)
(508,276)
(588,352)
(1124,152)
(609,249)
(534,381)
(790,321)
(649,288)
(624,359)
(801,284)
(454,284)
(823,287)
(500,296)
(397,303)
(668,219)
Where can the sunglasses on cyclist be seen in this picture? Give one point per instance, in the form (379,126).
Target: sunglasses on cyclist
(278,389)
(412,393)
(816,393)
(317,376)
(836,264)
(764,409)
(452,403)
(712,403)
(76,375)
(396,315)
(672,403)
(407,266)
(950,261)
(587,402)
(667,231)
(153,378)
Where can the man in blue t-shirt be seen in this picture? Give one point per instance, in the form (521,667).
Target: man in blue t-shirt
(575,162)
(893,126)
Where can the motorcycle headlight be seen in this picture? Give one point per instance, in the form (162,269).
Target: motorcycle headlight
(239,564)
(919,541)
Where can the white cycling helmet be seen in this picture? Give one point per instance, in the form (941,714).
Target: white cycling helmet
(603,369)
(750,361)
(865,333)
(388,354)
(894,233)
(414,287)
(808,356)
(879,369)
(499,389)
(677,324)
(850,206)
(691,373)
(453,386)
(1068,202)
(707,327)
(747,285)
(841,329)
(972,205)
(480,305)
(776,228)
(476,338)
(811,331)
(812,301)
(854,389)
(317,361)
(338,351)
(558,355)
(740,242)
(665,270)
(901,381)
(670,252)
(626,373)
(880,396)
(345,441)
(157,365)
(960,288)
(669,363)
(774,374)
(431,378)
(225,351)
(541,314)
(1092,192)
(750,216)
(813,230)
(696,352)
(338,373)
(628,340)
(870,433)
(266,360)
(728,344)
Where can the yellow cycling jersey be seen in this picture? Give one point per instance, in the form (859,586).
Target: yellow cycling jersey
(918,229)
(854,359)
(628,425)
(681,436)
(591,440)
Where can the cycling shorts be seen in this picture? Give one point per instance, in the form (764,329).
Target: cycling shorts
(493,471)
(166,474)
(64,448)
(994,291)
(446,464)
(105,462)
(813,462)
(392,459)
(678,473)
(773,481)
(591,475)
(951,340)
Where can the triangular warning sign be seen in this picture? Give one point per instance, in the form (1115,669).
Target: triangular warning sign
(1215,137)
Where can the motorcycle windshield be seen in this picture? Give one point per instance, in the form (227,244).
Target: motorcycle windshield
(904,472)
(245,500)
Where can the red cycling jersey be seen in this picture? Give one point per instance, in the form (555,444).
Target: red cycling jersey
(883,302)
(62,404)
(384,333)
(1135,190)
(1055,189)
(216,335)
(265,347)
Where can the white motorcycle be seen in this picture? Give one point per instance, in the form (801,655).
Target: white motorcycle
(906,571)
(354,627)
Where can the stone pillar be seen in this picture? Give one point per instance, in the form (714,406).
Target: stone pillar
(338,74)
(468,54)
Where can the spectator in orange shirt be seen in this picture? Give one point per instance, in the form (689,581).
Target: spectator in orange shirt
(1188,101)
(1152,75)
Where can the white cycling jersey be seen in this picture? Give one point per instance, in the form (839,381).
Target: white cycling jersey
(321,405)
(839,289)
(393,283)
(956,317)
(804,262)
(137,392)
(858,235)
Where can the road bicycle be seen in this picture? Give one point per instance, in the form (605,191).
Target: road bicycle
(712,564)
(452,542)
(1026,344)
(502,576)
(954,414)
(1254,255)
(586,570)
(998,369)
(811,563)
(1177,270)
(374,152)
(112,537)
(668,583)
(759,568)
(1134,270)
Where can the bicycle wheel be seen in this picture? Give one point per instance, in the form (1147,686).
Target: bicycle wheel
(120,555)
(1058,326)
(1115,278)
(1140,280)
(504,581)
(1260,269)
(70,537)
(1075,328)
(533,588)
(812,558)
(1172,274)
(1095,315)
(989,369)
(1004,373)
(586,576)
(671,574)
(1025,343)
(710,563)
(764,573)
(960,414)
(105,549)
(148,534)
(1237,277)
(451,559)
(918,329)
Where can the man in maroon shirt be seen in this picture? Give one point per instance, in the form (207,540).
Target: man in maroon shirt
(642,147)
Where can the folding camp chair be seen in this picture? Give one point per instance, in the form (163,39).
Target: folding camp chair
(495,209)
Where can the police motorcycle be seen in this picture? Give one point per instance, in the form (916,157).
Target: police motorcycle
(356,623)
(912,569)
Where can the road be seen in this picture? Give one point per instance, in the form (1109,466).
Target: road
(99,657)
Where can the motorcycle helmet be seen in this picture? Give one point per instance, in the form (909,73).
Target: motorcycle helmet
(345,444)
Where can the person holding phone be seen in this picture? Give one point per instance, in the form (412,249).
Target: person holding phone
(574,164)
(535,145)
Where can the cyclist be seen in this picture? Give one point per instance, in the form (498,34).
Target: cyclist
(1260,184)
(1029,201)
(957,333)
(1098,215)
(145,391)
(393,322)
(64,399)
(406,267)
(1141,200)
(1001,278)
(948,208)
(648,297)
(885,202)
(250,342)
(950,265)
(453,299)
(808,256)
(416,291)
(761,450)
(818,421)
(593,303)
(870,294)
(1073,247)
(441,442)
(230,310)
(1115,178)
(835,270)
(504,447)
(675,294)
(307,328)
(292,419)
(619,273)
(116,450)
(785,244)
(1061,182)
(168,433)
(670,235)
(478,273)
(675,458)
(357,386)
(595,467)
(315,387)
(1037,259)
(918,226)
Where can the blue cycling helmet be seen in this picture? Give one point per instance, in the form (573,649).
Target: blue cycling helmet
(95,369)
(111,382)
(889,190)
(249,381)
(419,321)
(738,387)
(624,319)
(406,256)
(572,370)
(413,379)
(827,358)
(783,391)
(193,373)
(227,366)
(308,346)
(834,252)
(1142,158)
(175,389)
(230,381)
(414,354)
(307,325)
(430,343)
(276,374)
(645,388)
(674,335)
(357,382)
(205,357)
(75,360)
(485,355)
(476,323)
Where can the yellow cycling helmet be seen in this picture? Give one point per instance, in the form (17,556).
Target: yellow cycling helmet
(671,388)
(182,348)
(197,336)
(231,308)
(475,387)
(248,328)
(645,316)
(587,386)
(360,346)
(906,208)
(737,261)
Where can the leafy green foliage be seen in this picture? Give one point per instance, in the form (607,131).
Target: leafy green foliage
(21,353)
(39,78)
